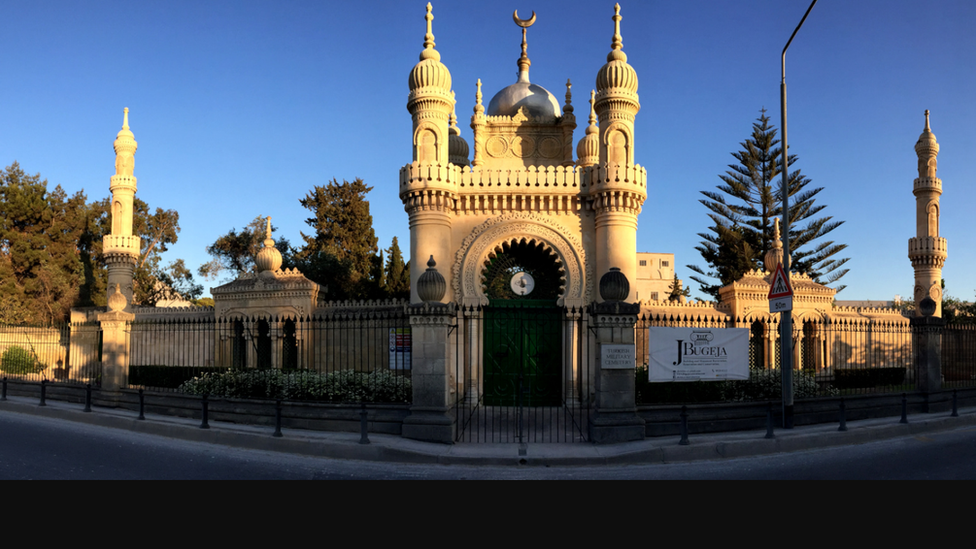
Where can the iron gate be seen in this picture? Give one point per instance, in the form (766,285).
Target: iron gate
(522,374)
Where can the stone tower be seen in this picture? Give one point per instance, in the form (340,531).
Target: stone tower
(927,250)
(429,197)
(618,189)
(121,248)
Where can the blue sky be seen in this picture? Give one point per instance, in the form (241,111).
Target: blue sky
(241,107)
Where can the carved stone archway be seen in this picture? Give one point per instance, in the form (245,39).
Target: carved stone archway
(470,258)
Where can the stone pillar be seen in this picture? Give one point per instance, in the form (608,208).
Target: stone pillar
(431,415)
(432,361)
(614,417)
(927,341)
(115,341)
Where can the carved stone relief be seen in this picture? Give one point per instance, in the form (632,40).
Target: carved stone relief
(474,250)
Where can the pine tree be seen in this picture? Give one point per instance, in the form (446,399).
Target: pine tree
(743,212)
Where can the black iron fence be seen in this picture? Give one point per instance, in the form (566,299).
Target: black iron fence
(959,356)
(63,353)
(345,356)
(831,357)
(522,374)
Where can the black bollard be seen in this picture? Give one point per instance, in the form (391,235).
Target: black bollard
(843,416)
(955,404)
(87,409)
(3,395)
(277,431)
(769,421)
(904,408)
(206,413)
(684,427)
(43,392)
(363,436)
(142,406)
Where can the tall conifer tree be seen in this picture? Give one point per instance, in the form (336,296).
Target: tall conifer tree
(742,212)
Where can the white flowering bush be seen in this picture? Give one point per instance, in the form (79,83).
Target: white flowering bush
(342,386)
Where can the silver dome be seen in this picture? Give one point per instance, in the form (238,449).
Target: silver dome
(538,101)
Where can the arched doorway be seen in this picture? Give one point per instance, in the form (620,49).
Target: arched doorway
(522,325)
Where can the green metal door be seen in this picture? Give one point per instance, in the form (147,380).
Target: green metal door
(522,353)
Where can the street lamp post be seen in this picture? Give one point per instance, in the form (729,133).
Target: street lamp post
(786,326)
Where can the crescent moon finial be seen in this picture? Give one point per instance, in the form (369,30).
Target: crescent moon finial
(524,23)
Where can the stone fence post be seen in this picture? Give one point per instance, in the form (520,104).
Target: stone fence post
(927,341)
(432,357)
(615,418)
(115,342)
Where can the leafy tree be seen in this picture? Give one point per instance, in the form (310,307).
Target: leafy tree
(398,273)
(743,210)
(343,237)
(40,269)
(235,251)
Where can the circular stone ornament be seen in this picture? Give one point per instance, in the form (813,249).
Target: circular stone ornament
(523,283)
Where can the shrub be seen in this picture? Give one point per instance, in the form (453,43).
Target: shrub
(20,361)
(168,377)
(342,386)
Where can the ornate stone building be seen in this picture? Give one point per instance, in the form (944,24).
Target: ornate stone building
(523,204)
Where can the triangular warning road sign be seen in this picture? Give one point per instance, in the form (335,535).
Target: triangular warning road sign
(779,286)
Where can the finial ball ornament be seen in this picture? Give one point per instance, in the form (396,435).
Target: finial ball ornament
(431,285)
(614,285)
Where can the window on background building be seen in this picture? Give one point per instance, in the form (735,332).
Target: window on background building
(643,263)
(654,296)
(665,263)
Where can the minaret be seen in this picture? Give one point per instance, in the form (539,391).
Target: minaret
(774,256)
(120,248)
(927,250)
(428,187)
(617,187)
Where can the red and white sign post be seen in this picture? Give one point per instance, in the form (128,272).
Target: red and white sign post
(780,292)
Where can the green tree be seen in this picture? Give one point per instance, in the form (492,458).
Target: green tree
(343,235)
(742,213)
(398,274)
(235,251)
(676,292)
(40,268)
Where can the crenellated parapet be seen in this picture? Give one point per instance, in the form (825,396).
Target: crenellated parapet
(113,244)
(928,251)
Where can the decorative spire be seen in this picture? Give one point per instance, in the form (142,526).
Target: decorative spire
(125,118)
(453,127)
(268,242)
(429,51)
(927,149)
(523,61)
(569,97)
(478,107)
(268,259)
(592,125)
(617,43)
(774,257)
(125,148)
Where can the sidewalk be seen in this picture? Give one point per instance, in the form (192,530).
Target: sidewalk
(397,449)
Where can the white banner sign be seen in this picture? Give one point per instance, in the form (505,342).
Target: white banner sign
(698,354)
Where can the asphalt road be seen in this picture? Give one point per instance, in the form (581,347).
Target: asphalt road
(41,448)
